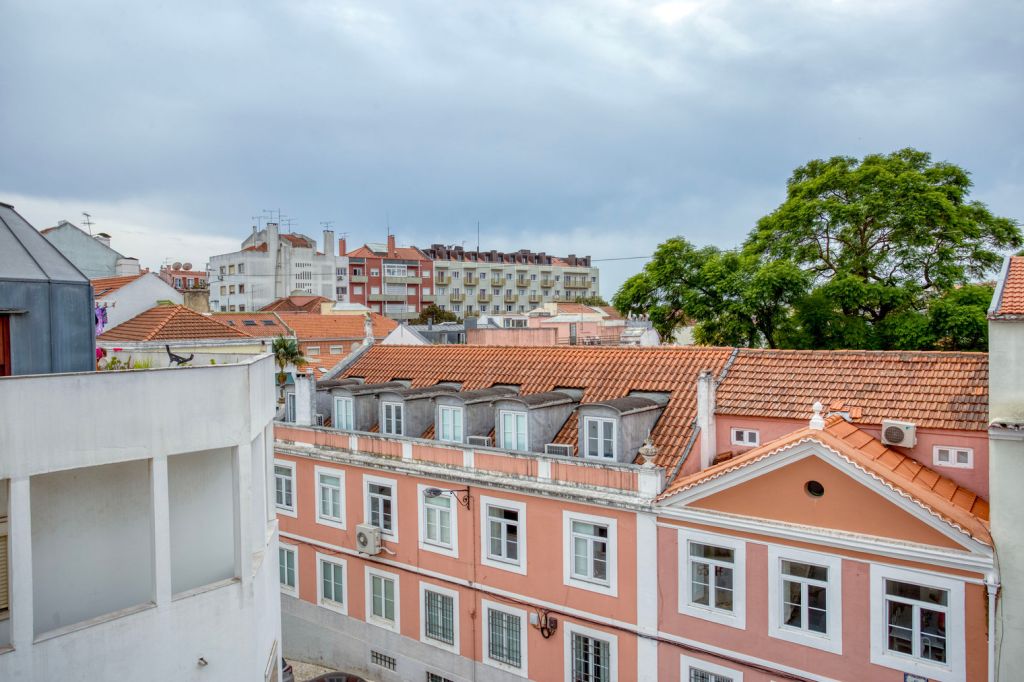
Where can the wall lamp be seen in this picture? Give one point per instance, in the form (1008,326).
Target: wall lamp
(461,496)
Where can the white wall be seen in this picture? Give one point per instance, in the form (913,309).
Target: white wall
(137,297)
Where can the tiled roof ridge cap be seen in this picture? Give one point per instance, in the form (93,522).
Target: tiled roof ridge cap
(172,311)
(859,351)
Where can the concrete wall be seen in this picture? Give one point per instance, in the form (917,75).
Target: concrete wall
(58,331)
(90,256)
(512,337)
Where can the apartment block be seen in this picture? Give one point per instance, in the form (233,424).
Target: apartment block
(395,281)
(475,283)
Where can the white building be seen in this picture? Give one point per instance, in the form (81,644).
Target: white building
(125,297)
(92,254)
(271,265)
(141,538)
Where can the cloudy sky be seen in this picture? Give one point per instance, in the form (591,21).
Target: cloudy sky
(595,127)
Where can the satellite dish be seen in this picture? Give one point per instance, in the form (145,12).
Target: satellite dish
(176,266)
(187,266)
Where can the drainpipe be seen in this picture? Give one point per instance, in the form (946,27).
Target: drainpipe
(992,584)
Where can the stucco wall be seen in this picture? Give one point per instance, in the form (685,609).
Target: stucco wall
(90,256)
(137,297)
(512,337)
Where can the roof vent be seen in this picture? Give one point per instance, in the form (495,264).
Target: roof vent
(899,433)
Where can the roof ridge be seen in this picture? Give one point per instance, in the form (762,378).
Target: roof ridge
(172,312)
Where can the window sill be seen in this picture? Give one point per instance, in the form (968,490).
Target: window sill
(92,622)
(609,590)
(833,644)
(503,565)
(203,589)
(730,619)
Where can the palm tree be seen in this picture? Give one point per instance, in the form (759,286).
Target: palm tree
(286,352)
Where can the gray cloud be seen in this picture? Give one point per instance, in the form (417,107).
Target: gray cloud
(586,127)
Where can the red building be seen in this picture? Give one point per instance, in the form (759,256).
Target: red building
(182,277)
(397,282)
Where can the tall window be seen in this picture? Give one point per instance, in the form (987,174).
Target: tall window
(381,503)
(284,486)
(382,598)
(286,564)
(591,659)
(332,583)
(915,619)
(504,636)
(437,521)
(711,576)
(392,418)
(330,501)
(450,421)
(440,616)
(343,418)
(590,552)
(289,407)
(600,437)
(804,596)
(513,431)
(503,534)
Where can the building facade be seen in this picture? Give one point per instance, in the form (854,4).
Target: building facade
(271,265)
(119,299)
(472,283)
(395,281)
(182,277)
(91,254)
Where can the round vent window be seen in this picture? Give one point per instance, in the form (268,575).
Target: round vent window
(814,489)
(894,434)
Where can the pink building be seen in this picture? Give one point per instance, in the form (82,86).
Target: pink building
(483,513)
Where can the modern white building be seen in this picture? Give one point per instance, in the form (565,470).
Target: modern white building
(90,253)
(271,265)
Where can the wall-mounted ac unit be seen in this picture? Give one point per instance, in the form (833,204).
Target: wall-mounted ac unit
(560,449)
(484,441)
(368,538)
(319,419)
(899,433)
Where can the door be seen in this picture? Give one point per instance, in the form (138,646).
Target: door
(5,345)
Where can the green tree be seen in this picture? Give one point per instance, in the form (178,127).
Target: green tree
(959,319)
(286,352)
(432,312)
(592,300)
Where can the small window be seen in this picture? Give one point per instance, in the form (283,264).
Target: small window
(957,458)
(249,323)
(380,501)
(374,272)
(599,438)
(439,616)
(504,633)
(383,660)
(805,598)
(434,677)
(241,288)
(268,323)
(286,557)
(332,583)
(746,437)
(449,423)
(391,418)
(289,407)
(343,414)
(504,542)
(337,350)
(695,670)
(591,658)
(330,484)
(437,523)
(383,597)
(513,431)
(284,486)
(590,552)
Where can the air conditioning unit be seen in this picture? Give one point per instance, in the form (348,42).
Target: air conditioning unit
(368,538)
(319,420)
(899,433)
(484,441)
(560,449)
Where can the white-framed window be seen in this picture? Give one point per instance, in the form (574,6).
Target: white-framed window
(917,623)
(504,637)
(449,421)
(805,603)
(343,413)
(288,565)
(337,350)
(590,655)
(712,577)
(374,272)
(330,497)
(289,407)
(438,523)
(312,350)
(381,505)
(284,487)
(391,418)
(745,437)
(698,670)
(439,621)
(589,552)
(513,430)
(955,457)
(599,437)
(383,599)
(503,531)
(330,573)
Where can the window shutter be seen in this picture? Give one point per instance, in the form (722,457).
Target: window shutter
(4,601)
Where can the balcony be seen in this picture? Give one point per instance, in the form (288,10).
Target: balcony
(547,283)
(457,298)
(536,298)
(358,279)
(577,283)
(522,282)
(483,297)
(441,279)
(470,280)
(427,298)
(384,298)
(408,279)
(511,298)
(497,281)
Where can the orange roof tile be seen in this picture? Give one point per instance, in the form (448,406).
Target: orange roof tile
(1011,294)
(602,372)
(104,286)
(403,252)
(170,322)
(255,324)
(296,304)
(956,505)
(258,247)
(309,327)
(299,240)
(932,389)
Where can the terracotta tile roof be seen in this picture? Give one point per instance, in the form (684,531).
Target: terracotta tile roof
(298,240)
(1011,294)
(320,366)
(951,502)
(255,324)
(296,304)
(403,252)
(932,389)
(309,327)
(170,322)
(104,286)
(258,247)
(602,372)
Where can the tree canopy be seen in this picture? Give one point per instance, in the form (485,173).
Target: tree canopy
(433,312)
(873,253)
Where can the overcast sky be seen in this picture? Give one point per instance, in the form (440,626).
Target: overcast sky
(597,127)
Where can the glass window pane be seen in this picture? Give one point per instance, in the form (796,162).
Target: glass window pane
(711,552)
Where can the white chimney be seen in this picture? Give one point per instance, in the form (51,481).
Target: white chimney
(368,329)
(305,389)
(328,242)
(706,418)
(272,241)
(102,238)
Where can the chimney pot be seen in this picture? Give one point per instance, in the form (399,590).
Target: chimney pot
(391,245)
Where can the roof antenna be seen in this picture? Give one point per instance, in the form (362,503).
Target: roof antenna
(88,222)
(478,236)
(326,224)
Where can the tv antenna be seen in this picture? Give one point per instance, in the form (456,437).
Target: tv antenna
(88,221)
(326,224)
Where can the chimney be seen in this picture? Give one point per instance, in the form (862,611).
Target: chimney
(328,242)
(271,240)
(391,245)
(342,250)
(368,329)
(305,392)
(102,238)
(706,418)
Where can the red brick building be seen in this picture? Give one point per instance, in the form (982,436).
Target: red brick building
(397,282)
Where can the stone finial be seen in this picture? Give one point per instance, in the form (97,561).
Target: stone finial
(648,452)
(817,421)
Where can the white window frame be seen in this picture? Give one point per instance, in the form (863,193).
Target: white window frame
(452,410)
(384,405)
(391,535)
(526,429)
(338,607)
(745,442)
(451,549)
(688,662)
(831,641)
(955,667)
(395,625)
(292,510)
(486,503)
(600,455)
(738,617)
(424,587)
(338,522)
(952,463)
(312,350)
(340,399)
(285,589)
(336,350)
(613,648)
(524,667)
(610,586)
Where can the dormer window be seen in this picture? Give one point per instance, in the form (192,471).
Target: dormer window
(513,431)
(449,424)
(343,414)
(600,438)
(391,419)
(746,437)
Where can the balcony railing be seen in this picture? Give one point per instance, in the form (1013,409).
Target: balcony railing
(547,283)
(470,281)
(407,279)
(358,279)
(441,279)
(457,298)
(577,283)
(483,297)
(511,298)
(387,297)
(536,298)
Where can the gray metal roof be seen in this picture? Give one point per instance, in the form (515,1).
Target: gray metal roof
(27,255)
(427,391)
(360,389)
(484,395)
(628,405)
(545,399)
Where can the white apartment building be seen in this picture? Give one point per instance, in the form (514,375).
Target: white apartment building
(271,265)
(476,283)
